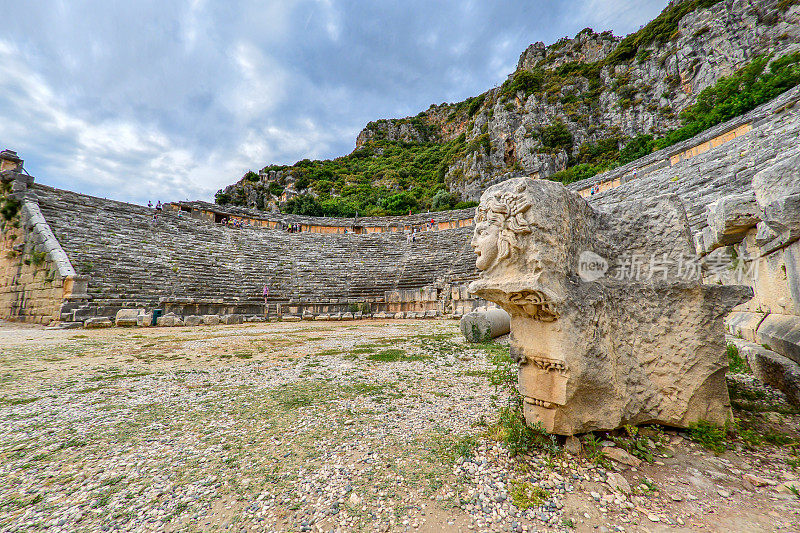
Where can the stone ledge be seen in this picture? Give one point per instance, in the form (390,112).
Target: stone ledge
(771,368)
(781,334)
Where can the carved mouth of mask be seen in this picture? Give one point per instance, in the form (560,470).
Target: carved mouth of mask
(536,304)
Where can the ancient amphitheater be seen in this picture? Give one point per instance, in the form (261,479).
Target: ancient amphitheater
(75,257)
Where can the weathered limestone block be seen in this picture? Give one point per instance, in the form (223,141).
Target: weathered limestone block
(127,317)
(399,315)
(144,320)
(323,316)
(772,368)
(482,324)
(777,190)
(169,320)
(608,324)
(744,324)
(232,319)
(98,322)
(729,219)
(291,318)
(193,320)
(380,314)
(210,320)
(781,333)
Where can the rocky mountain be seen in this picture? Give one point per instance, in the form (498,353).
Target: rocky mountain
(578,103)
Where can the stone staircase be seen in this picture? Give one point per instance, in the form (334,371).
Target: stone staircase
(134,261)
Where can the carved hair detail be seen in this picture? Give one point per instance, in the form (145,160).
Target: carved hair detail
(507,211)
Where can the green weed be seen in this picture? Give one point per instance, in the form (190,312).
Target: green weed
(525,494)
(736,363)
(709,435)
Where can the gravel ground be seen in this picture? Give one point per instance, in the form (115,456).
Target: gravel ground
(368,426)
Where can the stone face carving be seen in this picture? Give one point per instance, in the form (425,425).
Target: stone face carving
(635,345)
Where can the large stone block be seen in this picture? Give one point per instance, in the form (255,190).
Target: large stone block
(781,333)
(777,190)
(232,319)
(210,320)
(744,324)
(773,369)
(98,322)
(144,320)
(193,320)
(608,322)
(127,317)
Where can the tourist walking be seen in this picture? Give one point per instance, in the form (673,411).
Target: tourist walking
(266,300)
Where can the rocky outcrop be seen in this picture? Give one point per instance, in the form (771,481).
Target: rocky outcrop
(596,95)
(596,87)
(597,92)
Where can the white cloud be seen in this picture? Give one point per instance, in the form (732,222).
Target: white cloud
(626,16)
(132,160)
(262,84)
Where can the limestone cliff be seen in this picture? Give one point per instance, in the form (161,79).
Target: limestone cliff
(568,102)
(602,87)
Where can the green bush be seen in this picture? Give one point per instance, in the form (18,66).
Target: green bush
(603,151)
(526,81)
(443,200)
(556,136)
(735,95)
(400,203)
(709,435)
(637,147)
(304,204)
(736,363)
(222,198)
(481,140)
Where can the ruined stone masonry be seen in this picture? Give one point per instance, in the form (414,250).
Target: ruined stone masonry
(192,265)
(720,189)
(37,280)
(615,349)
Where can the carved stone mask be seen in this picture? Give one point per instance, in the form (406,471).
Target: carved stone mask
(484,242)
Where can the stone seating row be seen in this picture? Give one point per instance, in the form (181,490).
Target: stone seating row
(135,261)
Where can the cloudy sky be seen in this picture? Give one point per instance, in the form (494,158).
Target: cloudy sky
(175,99)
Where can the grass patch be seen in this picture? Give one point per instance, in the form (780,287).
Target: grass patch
(112,377)
(17,401)
(358,351)
(449,448)
(394,355)
(324,353)
(525,494)
(641,442)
